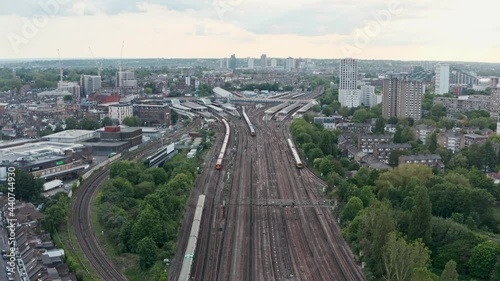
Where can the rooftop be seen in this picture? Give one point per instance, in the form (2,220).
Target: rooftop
(421,157)
(37,152)
(69,134)
(222,93)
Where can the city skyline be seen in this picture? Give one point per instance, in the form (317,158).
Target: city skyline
(317,29)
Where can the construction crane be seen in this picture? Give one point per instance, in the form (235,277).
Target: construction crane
(60,65)
(98,64)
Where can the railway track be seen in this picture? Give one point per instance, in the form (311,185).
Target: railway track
(81,220)
(268,242)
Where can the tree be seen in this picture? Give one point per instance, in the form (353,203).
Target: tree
(27,187)
(106,121)
(420,221)
(376,223)
(71,123)
(58,129)
(68,98)
(147,251)
(133,121)
(316,108)
(328,110)
(380,126)
(450,272)
(398,136)
(402,258)
(352,208)
(344,111)
(360,115)
(488,156)
(432,142)
(325,166)
(483,259)
(315,153)
(438,111)
(326,143)
(394,157)
(148,91)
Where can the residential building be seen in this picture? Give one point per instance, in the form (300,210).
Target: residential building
(402,97)
(120,112)
(451,140)
(349,95)
(71,87)
(366,142)
(289,64)
(126,79)
(330,122)
(368,97)
(470,139)
(422,132)
(475,102)
(232,62)
(382,151)
(153,114)
(250,63)
(89,84)
(263,61)
(429,160)
(274,63)
(442,82)
(350,98)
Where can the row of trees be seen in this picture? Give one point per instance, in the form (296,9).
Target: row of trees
(141,209)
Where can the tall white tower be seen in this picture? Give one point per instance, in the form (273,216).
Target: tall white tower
(442,79)
(349,95)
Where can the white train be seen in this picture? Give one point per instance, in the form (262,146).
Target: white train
(250,126)
(295,154)
(187,263)
(218,165)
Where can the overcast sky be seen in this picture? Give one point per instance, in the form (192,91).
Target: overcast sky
(446,30)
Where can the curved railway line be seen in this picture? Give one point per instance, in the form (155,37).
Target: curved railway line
(81,220)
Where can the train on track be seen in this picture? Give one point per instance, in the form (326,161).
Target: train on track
(250,126)
(218,164)
(296,157)
(187,263)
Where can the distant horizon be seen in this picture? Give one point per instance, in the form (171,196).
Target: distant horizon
(218,58)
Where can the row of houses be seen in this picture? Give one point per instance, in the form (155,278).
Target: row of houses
(37,256)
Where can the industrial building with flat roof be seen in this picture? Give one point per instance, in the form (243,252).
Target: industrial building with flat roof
(115,139)
(70,136)
(222,93)
(46,159)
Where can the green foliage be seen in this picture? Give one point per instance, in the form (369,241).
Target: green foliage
(376,222)
(27,187)
(452,241)
(379,126)
(106,121)
(483,259)
(353,207)
(450,272)
(132,121)
(56,212)
(420,222)
(147,251)
(402,258)
(141,208)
